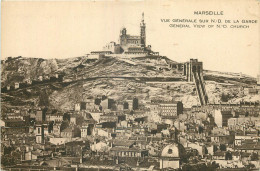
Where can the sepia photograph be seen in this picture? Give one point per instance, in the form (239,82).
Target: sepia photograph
(130,85)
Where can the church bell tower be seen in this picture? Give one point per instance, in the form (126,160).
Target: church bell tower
(142,32)
(39,134)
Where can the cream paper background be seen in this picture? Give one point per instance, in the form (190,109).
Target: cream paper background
(64,29)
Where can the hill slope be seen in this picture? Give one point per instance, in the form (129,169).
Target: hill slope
(146,78)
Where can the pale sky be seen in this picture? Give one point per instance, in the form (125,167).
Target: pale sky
(71,29)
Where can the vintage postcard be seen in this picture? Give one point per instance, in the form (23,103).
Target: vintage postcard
(130,85)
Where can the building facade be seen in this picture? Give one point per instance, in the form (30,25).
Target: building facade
(39,134)
(129,45)
(167,109)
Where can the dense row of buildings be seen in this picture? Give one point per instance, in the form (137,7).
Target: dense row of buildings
(158,134)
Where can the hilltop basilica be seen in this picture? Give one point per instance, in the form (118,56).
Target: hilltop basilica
(129,45)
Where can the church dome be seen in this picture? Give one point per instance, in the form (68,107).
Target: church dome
(173,150)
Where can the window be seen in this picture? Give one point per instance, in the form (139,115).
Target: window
(39,130)
(169,151)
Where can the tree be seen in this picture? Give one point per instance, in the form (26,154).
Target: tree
(80,120)
(254,157)
(7,160)
(225,97)
(215,148)
(200,129)
(50,127)
(97,101)
(66,117)
(125,105)
(135,103)
(64,125)
(222,147)
(228,156)
(104,97)
(213,166)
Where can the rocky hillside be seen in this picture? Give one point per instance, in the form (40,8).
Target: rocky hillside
(146,78)
(23,69)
